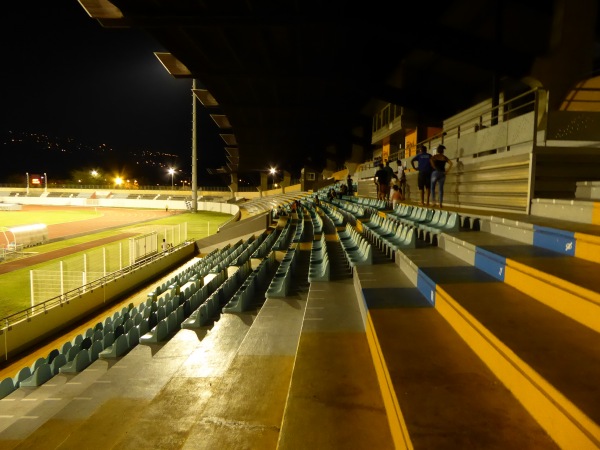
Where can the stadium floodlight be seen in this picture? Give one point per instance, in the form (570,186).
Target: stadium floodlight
(172,172)
(273,172)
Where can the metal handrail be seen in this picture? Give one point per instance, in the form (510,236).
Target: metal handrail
(111,187)
(501,108)
(456,130)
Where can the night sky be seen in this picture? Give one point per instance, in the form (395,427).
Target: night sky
(65,75)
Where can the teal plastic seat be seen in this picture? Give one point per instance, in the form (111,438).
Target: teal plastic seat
(7,386)
(117,349)
(197,319)
(133,337)
(23,374)
(57,363)
(157,334)
(98,336)
(95,350)
(77,340)
(41,374)
(38,362)
(109,339)
(80,362)
(53,354)
(143,327)
(72,352)
(66,347)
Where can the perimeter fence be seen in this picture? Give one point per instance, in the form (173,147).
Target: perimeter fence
(79,270)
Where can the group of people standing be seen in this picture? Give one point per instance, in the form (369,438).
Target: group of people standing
(391,185)
(432,172)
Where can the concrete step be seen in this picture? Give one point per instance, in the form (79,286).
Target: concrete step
(339,266)
(563,282)
(568,237)
(110,394)
(543,357)
(241,404)
(438,392)
(334,400)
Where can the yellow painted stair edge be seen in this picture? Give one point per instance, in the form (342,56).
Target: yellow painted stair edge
(566,424)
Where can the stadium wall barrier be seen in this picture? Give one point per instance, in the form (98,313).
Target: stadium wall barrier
(61,196)
(174,205)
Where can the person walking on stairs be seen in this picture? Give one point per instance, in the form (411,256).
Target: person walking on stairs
(438,163)
(424,167)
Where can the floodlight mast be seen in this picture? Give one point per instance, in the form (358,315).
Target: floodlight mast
(194,152)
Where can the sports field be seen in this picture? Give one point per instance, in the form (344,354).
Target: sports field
(74,229)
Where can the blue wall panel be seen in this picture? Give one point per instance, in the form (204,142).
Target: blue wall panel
(556,240)
(490,263)
(426,287)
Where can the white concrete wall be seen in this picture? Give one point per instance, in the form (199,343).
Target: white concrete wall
(177,205)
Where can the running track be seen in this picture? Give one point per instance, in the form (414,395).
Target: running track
(110,218)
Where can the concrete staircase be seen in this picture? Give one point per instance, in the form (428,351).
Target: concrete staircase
(483,341)
(487,331)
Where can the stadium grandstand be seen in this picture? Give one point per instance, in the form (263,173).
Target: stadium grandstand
(320,319)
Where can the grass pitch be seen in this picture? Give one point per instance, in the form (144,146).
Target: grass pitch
(14,286)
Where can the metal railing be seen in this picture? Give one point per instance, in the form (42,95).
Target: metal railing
(503,112)
(105,187)
(42,307)
(523,103)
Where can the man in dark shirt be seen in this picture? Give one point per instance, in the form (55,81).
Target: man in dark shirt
(382,182)
(425,169)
